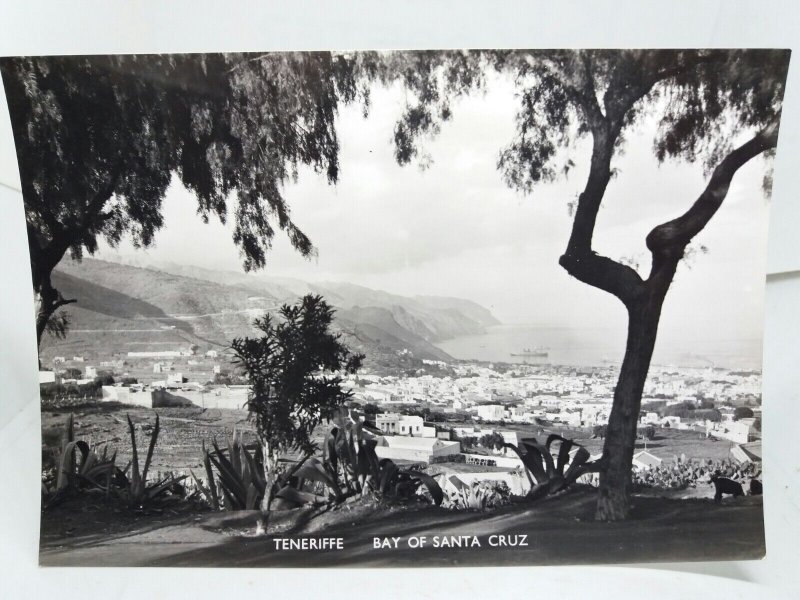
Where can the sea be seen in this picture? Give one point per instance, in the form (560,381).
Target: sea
(596,347)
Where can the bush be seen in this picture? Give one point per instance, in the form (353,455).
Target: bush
(648,432)
(295,370)
(711,414)
(81,469)
(371,409)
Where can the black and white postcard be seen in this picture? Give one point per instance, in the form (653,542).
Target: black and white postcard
(399,308)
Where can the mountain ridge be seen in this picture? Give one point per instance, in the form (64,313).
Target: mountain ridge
(122,307)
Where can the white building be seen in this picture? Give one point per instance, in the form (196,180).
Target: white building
(415,449)
(174,379)
(47,377)
(740,432)
(459,404)
(491,412)
(650,418)
(397,424)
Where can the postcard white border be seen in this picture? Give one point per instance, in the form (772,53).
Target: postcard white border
(97,26)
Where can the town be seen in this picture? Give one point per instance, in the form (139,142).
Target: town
(442,416)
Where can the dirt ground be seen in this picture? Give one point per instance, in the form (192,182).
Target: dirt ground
(558,530)
(180,441)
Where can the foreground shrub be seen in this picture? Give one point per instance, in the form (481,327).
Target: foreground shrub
(81,469)
(546,475)
(135,490)
(349,468)
(78,467)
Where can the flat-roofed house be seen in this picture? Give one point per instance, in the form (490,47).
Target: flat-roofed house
(415,449)
(397,424)
(491,412)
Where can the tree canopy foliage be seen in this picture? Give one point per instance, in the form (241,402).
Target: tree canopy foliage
(702,99)
(100,138)
(294,369)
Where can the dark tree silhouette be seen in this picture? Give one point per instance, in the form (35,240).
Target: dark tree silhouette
(294,371)
(705,100)
(100,138)
(491,441)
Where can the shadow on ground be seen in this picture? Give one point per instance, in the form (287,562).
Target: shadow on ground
(556,531)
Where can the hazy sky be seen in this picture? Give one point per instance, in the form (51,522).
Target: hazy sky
(455,229)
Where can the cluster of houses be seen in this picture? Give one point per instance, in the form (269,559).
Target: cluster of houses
(526,394)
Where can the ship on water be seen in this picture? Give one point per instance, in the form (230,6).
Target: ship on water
(532,353)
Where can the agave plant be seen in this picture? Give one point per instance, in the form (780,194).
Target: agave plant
(240,477)
(240,483)
(78,466)
(552,476)
(349,466)
(349,452)
(135,490)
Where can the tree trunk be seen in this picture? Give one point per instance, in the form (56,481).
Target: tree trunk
(47,301)
(613,501)
(44,304)
(45,255)
(270,478)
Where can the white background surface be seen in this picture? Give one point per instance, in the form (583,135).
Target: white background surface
(107,27)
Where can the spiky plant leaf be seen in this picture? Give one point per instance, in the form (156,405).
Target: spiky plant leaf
(564,448)
(430,483)
(575,468)
(313,470)
(150,449)
(532,459)
(135,476)
(212,487)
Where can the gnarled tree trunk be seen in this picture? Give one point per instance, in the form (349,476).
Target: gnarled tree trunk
(618,449)
(643,299)
(47,299)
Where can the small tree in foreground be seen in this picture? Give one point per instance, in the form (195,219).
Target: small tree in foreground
(293,369)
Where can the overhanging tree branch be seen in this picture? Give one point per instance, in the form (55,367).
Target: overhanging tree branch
(604,273)
(61,301)
(668,240)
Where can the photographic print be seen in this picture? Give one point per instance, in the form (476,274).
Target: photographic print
(399,308)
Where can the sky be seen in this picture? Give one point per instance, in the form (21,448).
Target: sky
(455,229)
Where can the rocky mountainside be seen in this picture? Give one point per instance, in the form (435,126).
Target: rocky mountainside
(124,308)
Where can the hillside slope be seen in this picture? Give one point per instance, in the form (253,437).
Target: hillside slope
(436,318)
(123,308)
